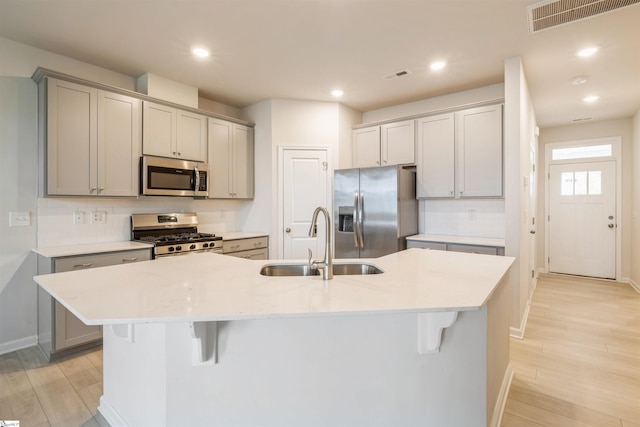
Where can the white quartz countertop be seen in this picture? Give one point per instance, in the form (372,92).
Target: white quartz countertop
(95,248)
(211,286)
(463,240)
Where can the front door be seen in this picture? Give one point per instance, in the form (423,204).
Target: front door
(583,219)
(305,186)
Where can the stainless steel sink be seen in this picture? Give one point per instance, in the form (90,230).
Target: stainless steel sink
(339,269)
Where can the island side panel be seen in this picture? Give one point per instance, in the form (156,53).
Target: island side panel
(340,371)
(134,376)
(498,369)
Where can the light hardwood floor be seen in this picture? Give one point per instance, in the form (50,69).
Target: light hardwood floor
(578,365)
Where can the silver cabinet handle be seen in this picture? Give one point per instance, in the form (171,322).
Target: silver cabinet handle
(85,265)
(132,259)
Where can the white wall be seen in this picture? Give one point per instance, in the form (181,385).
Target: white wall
(620,127)
(520,125)
(635,208)
(18,178)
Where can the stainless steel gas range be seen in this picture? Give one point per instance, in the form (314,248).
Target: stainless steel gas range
(173,234)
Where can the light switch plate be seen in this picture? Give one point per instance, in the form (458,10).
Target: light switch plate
(19,219)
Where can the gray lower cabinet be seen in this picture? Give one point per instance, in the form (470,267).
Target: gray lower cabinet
(456,247)
(249,248)
(59,331)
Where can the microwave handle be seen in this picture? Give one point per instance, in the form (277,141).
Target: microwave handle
(197,183)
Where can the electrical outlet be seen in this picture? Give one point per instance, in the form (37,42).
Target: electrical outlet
(78,217)
(98,217)
(472,214)
(19,219)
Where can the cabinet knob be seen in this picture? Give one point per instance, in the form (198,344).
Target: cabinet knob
(288,230)
(451,192)
(93,189)
(101,189)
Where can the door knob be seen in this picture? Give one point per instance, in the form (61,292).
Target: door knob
(610,226)
(532,231)
(288,230)
(610,217)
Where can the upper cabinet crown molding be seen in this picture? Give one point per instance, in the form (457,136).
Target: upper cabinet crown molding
(40,73)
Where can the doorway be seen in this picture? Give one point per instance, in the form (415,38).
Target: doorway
(305,183)
(583,207)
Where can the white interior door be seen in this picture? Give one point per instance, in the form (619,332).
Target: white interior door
(305,186)
(532,209)
(582,219)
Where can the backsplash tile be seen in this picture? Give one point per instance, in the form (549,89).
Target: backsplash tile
(56,228)
(464,217)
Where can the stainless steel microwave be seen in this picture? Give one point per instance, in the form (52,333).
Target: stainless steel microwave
(160,176)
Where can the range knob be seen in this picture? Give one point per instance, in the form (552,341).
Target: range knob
(178,248)
(192,246)
(205,245)
(170,249)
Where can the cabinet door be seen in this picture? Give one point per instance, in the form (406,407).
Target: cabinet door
(69,330)
(71,139)
(436,155)
(158,130)
(479,140)
(191,136)
(242,162)
(366,147)
(397,143)
(119,140)
(220,158)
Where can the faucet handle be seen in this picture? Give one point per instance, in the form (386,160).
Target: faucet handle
(310,255)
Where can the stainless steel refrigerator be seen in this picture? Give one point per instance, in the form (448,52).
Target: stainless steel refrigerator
(375,209)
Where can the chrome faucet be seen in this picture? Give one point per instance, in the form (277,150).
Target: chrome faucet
(327,263)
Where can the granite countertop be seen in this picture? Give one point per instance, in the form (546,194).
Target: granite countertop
(462,240)
(237,235)
(94,248)
(211,287)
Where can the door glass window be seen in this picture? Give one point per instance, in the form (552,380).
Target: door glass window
(581,183)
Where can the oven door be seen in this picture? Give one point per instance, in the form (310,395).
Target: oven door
(172,177)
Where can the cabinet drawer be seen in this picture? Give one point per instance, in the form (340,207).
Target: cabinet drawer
(486,250)
(426,245)
(229,246)
(100,260)
(252,254)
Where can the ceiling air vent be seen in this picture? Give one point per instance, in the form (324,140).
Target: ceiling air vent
(551,13)
(401,73)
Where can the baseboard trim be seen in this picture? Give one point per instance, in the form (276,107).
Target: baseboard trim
(501,402)
(519,332)
(634,285)
(110,415)
(14,345)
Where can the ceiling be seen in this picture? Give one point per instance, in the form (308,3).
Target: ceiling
(302,49)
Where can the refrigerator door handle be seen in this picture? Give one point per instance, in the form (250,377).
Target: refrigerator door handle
(360,220)
(355,219)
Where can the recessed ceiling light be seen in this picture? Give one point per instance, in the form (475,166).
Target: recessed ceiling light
(337,93)
(200,52)
(590,98)
(579,80)
(588,51)
(437,65)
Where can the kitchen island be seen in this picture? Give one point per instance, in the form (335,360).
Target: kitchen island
(205,340)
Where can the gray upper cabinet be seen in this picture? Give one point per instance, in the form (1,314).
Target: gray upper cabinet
(231,160)
(92,140)
(383,145)
(461,154)
(171,132)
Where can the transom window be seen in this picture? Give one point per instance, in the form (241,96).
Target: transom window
(583,152)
